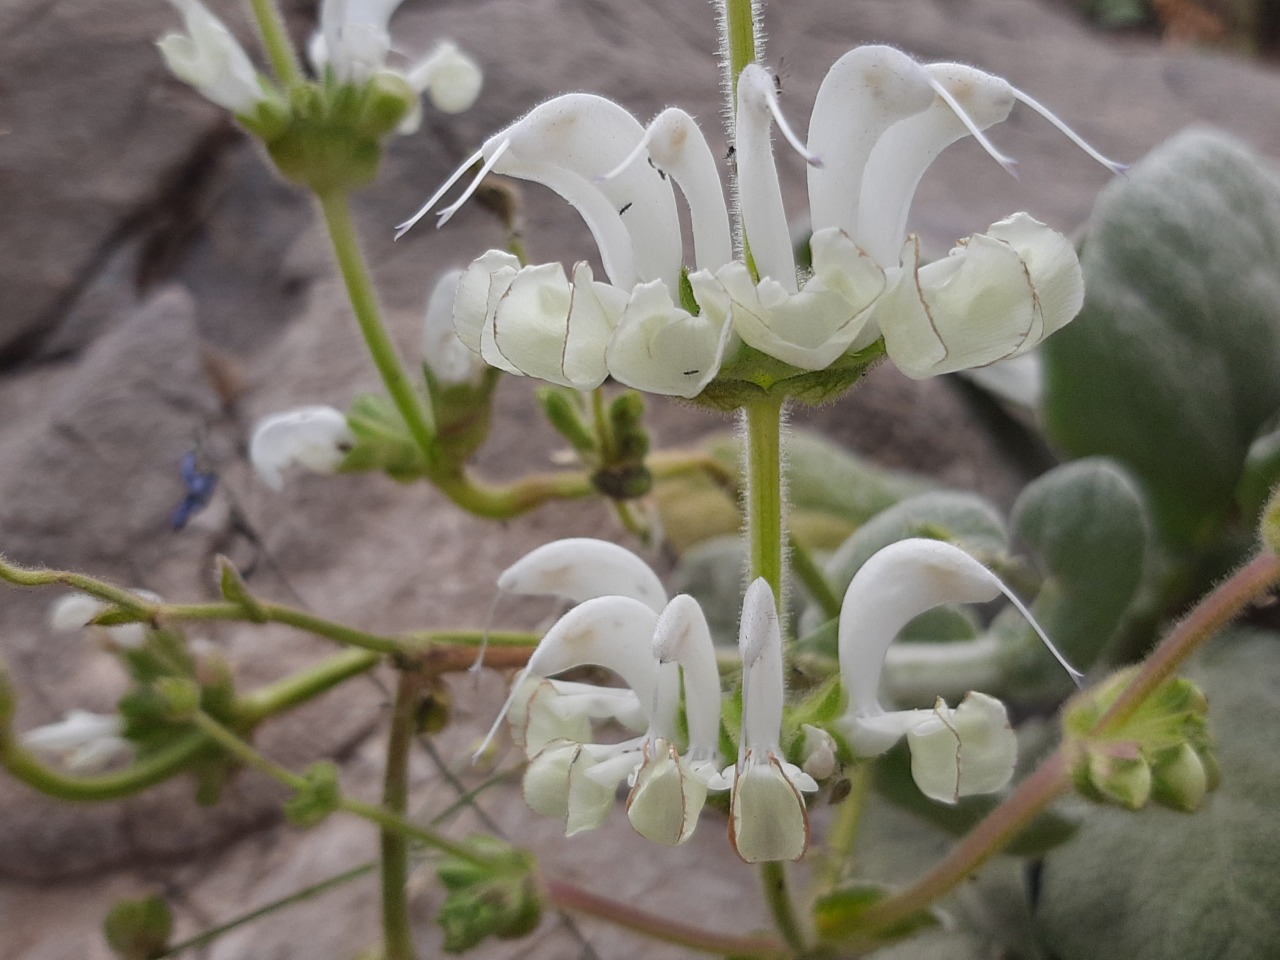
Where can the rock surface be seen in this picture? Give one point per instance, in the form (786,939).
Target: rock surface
(161,288)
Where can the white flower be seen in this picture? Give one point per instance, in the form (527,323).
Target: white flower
(954,752)
(443,352)
(210,59)
(768,819)
(353,42)
(75,611)
(878,122)
(83,741)
(623,622)
(317,438)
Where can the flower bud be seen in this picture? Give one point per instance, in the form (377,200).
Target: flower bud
(1117,773)
(1179,779)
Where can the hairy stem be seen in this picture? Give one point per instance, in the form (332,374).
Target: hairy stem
(336,206)
(397,933)
(567,896)
(765,506)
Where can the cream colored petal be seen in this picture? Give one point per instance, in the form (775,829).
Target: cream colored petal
(969,750)
(480,288)
(667,798)
(767,816)
(317,438)
(1051,262)
(661,348)
(973,307)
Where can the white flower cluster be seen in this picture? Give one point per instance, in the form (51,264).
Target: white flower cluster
(879,120)
(624,621)
(352,45)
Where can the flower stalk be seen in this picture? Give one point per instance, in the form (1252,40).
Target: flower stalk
(397,933)
(275,38)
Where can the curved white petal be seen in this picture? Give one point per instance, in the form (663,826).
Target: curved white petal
(84,741)
(764,219)
(760,644)
(682,636)
(677,146)
(906,149)
(661,348)
(1051,263)
(612,632)
(894,586)
(969,750)
(581,568)
(480,289)
(450,360)
(317,438)
(209,58)
(864,93)
(542,711)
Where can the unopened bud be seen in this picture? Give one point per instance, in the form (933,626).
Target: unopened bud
(563,409)
(1179,779)
(1116,772)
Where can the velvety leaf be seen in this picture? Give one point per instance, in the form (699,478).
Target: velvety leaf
(1171,365)
(1158,883)
(1086,524)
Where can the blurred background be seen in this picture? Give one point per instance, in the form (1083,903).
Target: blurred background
(160,290)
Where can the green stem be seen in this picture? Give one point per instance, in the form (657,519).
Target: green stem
(843,835)
(568,896)
(364,301)
(777,893)
(156,767)
(304,685)
(275,38)
(814,580)
(306,893)
(740,36)
(250,757)
(764,506)
(984,841)
(1214,611)
(396,930)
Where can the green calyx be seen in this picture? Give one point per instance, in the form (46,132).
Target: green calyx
(751,376)
(328,135)
(494,895)
(1161,752)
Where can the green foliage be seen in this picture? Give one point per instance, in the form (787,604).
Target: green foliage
(383,441)
(498,897)
(318,798)
(894,782)
(1086,525)
(1160,884)
(139,929)
(964,519)
(1171,365)
(836,914)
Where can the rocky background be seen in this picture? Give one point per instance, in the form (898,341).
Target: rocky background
(160,288)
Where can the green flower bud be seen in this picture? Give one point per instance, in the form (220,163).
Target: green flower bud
(139,929)
(1118,773)
(388,99)
(1179,779)
(1269,525)
(179,697)
(564,409)
(318,798)
(498,897)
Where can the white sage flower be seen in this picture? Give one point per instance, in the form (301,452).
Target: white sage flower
(76,611)
(209,58)
(954,752)
(622,622)
(82,741)
(447,358)
(353,43)
(317,438)
(768,819)
(878,122)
